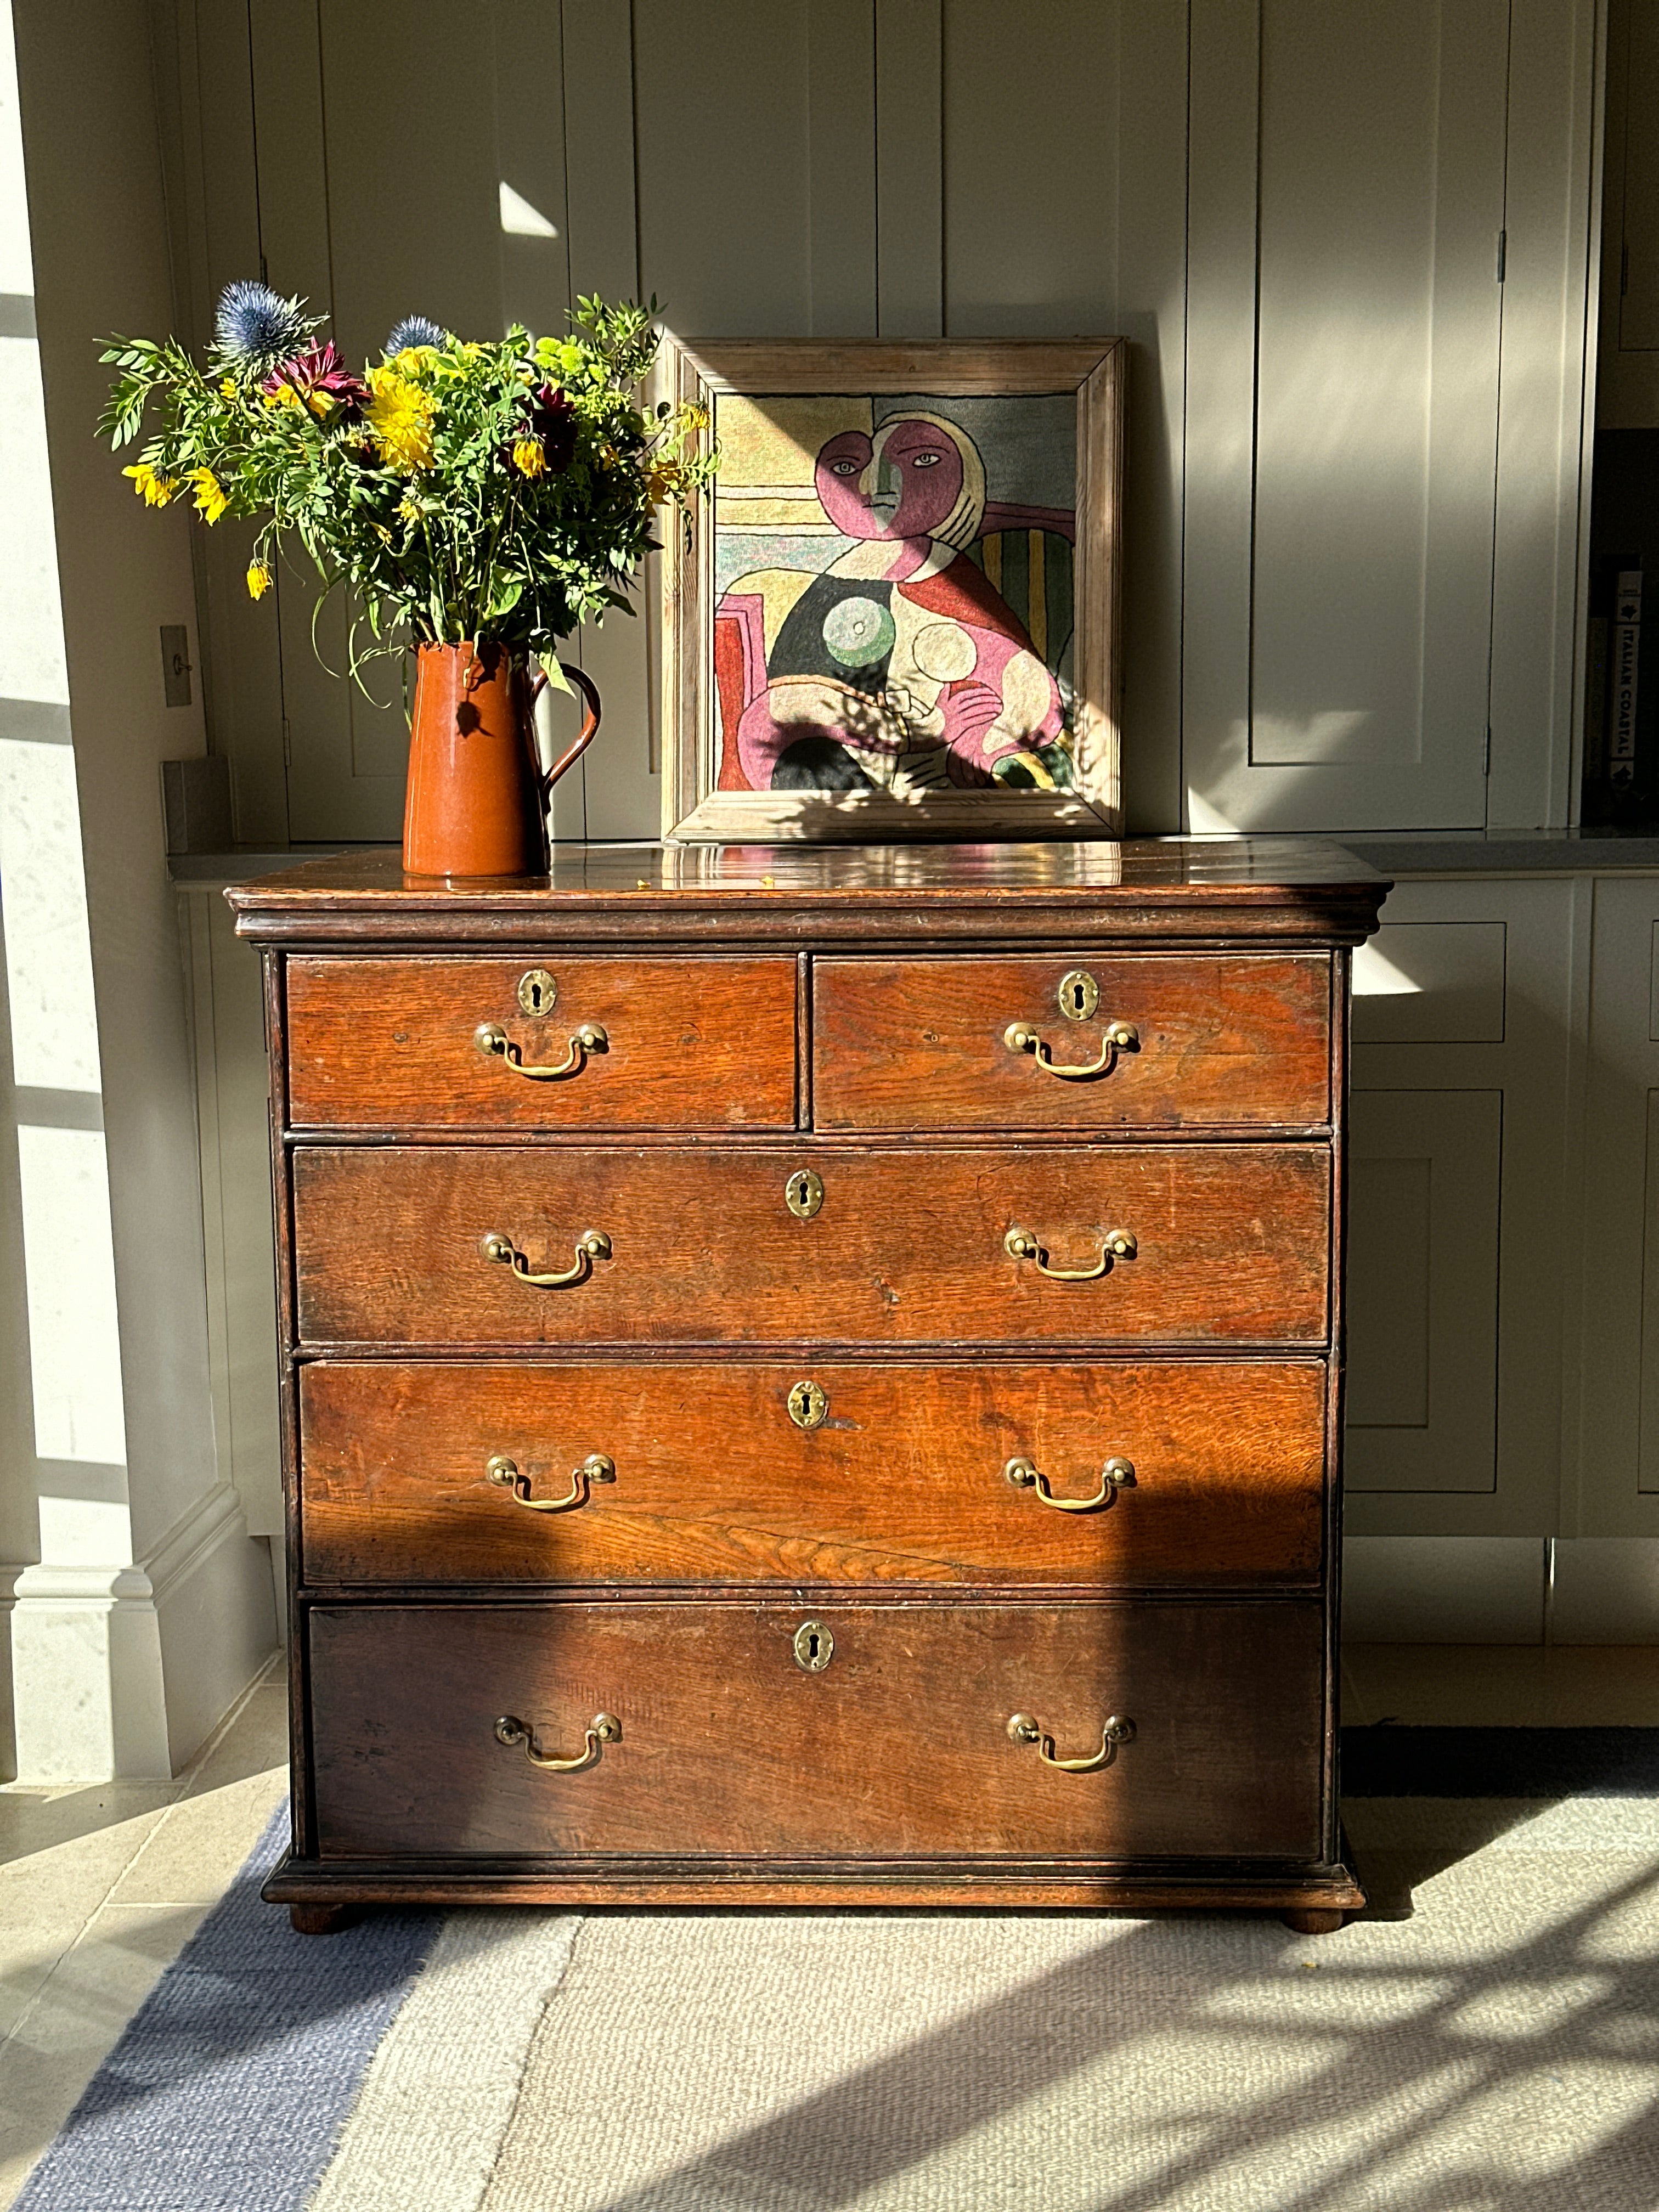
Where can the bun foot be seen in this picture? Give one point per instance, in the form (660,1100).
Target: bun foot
(320,1919)
(1313,1920)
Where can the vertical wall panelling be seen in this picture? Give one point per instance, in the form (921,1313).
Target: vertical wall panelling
(214,217)
(910,246)
(1463,1062)
(1065,184)
(1545,415)
(840,166)
(1371,443)
(1619,1338)
(1151,314)
(1219,461)
(612,792)
(533,219)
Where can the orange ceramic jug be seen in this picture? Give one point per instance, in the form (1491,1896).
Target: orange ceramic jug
(477,803)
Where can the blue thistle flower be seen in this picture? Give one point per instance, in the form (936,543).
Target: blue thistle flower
(413,331)
(257,326)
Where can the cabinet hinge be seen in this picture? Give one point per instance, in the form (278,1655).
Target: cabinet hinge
(1624,269)
(288,744)
(1486,754)
(265,273)
(1502,253)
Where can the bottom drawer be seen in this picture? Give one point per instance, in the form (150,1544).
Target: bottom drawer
(898,1747)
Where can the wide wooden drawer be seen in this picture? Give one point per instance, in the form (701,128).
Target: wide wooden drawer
(393,1245)
(685,1044)
(903,1478)
(899,1748)
(1217,1041)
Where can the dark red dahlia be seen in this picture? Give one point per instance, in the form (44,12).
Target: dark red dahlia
(316,371)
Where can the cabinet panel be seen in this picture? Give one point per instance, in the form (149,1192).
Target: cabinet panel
(1423,1237)
(1618,1414)
(1459,1233)
(1347,338)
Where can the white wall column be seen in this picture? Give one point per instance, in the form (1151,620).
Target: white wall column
(139,1606)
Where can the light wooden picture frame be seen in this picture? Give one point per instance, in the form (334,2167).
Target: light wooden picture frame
(895,615)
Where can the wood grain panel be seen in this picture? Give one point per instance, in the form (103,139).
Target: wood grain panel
(1233,1244)
(689,1044)
(902,1483)
(898,1747)
(902,1044)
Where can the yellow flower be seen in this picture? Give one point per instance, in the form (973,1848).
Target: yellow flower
(284,396)
(228,387)
(407,510)
(528,458)
(411,360)
(259,580)
(154,490)
(211,497)
(400,416)
(662,479)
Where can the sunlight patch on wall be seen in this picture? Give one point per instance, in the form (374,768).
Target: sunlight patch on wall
(1376,977)
(519,219)
(69,1259)
(54,1032)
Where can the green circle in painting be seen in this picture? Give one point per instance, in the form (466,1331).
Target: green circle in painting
(858,631)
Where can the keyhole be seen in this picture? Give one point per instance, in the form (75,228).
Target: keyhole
(1077,997)
(537,992)
(803,1193)
(814,1647)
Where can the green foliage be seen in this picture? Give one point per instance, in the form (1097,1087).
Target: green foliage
(504,490)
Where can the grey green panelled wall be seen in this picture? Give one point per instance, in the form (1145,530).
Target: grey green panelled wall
(1356,421)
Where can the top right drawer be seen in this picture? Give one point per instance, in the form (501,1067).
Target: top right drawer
(1210,1041)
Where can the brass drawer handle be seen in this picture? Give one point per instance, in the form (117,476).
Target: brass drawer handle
(593,1244)
(598,1467)
(1118,1244)
(604,1728)
(1120,1036)
(1024,1730)
(492,1039)
(1117,1474)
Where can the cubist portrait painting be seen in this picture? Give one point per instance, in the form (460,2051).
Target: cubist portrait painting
(894,594)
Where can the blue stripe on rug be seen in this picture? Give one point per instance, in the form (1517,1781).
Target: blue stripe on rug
(229,2088)
(1395,1761)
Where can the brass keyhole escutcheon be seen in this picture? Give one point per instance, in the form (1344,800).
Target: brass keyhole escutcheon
(808,1407)
(815,1647)
(803,1193)
(1079,994)
(537,992)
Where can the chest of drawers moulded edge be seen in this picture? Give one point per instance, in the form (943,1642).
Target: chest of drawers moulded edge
(1268,898)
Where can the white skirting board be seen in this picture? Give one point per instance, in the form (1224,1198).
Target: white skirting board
(1501,1589)
(121,1672)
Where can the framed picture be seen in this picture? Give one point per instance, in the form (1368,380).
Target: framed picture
(897,613)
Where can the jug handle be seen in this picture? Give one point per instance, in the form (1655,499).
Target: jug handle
(591,711)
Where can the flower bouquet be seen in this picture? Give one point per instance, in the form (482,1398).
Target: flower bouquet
(474,502)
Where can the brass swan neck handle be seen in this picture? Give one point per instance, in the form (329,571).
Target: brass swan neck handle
(1120,1036)
(598,1467)
(492,1041)
(1117,1474)
(1022,1729)
(603,1729)
(1116,1244)
(593,1244)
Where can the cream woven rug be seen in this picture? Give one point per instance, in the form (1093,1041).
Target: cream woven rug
(1495,2051)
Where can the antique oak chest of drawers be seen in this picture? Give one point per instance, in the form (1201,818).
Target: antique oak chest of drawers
(813,1377)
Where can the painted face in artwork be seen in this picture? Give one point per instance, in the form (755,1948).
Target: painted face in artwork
(902,483)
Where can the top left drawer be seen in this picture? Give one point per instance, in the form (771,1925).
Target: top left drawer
(521,1044)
